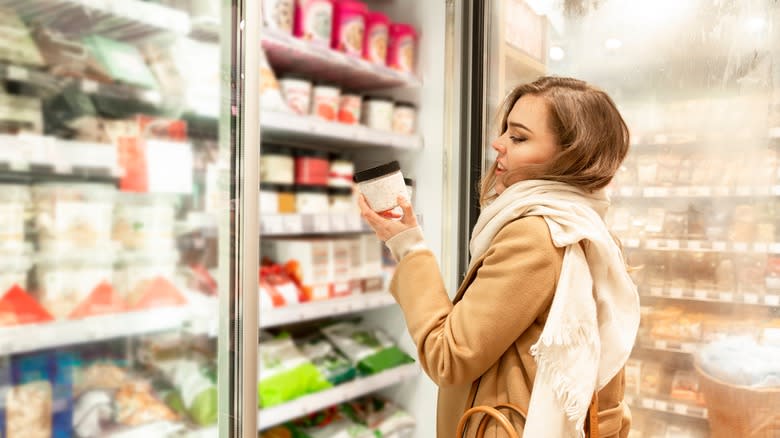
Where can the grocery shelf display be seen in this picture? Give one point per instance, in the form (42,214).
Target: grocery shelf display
(113,173)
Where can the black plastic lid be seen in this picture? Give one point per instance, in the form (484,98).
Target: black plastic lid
(409,181)
(339,156)
(376,172)
(409,104)
(311,153)
(273,149)
(311,189)
(277,187)
(340,191)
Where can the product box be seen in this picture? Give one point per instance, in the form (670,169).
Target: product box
(122,61)
(29,402)
(372,263)
(312,257)
(356,265)
(341,261)
(633,376)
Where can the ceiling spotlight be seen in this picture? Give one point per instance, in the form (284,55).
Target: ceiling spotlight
(613,44)
(556,53)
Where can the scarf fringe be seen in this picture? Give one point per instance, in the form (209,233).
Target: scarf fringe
(576,411)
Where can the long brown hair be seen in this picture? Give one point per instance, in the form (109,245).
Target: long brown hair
(589,129)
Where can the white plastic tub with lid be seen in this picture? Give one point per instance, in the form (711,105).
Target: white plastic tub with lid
(73,215)
(144,220)
(67,278)
(13,270)
(14,200)
(136,268)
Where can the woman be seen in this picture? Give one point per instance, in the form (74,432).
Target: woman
(547,314)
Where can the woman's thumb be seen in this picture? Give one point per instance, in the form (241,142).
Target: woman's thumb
(408,217)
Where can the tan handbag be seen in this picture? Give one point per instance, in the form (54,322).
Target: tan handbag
(494,413)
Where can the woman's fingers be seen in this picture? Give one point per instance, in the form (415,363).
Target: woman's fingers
(408,218)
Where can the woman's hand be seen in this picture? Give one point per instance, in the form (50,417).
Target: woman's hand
(387,228)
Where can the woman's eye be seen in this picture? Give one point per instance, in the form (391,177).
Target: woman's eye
(518,139)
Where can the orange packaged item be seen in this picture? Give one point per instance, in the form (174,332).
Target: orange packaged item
(277,288)
(325,102)
(18,307)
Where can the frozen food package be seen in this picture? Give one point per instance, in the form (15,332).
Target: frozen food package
(270,92)
(370,349)
(195,382)
(137,404)
(29,402)
(652,375)
(685,387)
(67,57)
(20,114)
(332,364)
(285,373)
(123,61)
(16,44)
(383,417)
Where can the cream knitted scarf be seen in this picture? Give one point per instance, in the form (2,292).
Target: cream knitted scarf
(594,316)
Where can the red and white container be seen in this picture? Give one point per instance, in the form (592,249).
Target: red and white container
(402,47)
(349,26)
(314,20)
(349,108)
(325,101)
(297,93)
(376,40)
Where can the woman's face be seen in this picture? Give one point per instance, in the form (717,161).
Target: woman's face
(527,140)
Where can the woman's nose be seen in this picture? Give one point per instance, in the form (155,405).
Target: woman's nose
(496,145)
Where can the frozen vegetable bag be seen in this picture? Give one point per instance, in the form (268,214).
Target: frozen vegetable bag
(285,373)
(370,349)
(195,382)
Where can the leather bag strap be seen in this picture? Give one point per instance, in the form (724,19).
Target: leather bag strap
(489,413)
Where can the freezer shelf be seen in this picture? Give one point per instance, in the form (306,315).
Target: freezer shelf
(29,156)
(311,403)
(711,296)
(32,337)
(287,53)
(693,192)
(123,20)
(669,407)
(324,309)
(701,245)
(668,346)
(289,127)
(298,224)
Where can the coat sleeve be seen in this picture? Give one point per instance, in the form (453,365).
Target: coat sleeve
(515,283)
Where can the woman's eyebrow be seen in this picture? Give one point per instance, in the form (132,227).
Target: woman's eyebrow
(519,125)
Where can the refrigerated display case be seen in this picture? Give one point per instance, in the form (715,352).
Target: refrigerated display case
(694,204)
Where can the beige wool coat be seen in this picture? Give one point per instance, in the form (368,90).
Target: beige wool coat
(486,332)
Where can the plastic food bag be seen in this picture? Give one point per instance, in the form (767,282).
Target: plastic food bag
(285,373)
(196,387)
(384,418)
(370,349)
(333,365)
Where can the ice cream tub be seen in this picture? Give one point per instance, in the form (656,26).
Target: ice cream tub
(382,185)
(314,21)
(376,38)
(349,25)
(402,47)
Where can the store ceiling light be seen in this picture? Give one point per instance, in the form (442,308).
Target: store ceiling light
(556,53)
(613,44)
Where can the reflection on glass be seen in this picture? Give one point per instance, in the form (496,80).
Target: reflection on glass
(695,203)
(108,210)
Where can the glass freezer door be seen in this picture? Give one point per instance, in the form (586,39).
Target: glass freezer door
(695,203)
(128,187)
